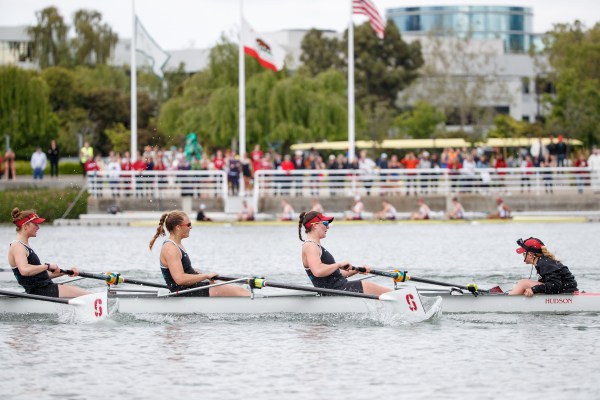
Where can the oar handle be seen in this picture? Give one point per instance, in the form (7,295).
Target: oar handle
(398,276)
(473,288)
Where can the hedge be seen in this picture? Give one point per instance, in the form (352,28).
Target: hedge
(48,203)
(23,168)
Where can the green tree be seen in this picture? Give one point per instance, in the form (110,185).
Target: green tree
(421,122)
(320,53)
(94,41)
(49,37)
(385,67)
(574,54)
(25,112)
(61,85)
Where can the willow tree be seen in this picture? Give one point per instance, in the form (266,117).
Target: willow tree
(94,41)
(49,38)
(24,110)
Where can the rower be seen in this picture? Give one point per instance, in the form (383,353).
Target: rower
(555,278)
(319,264)
(175,263)
(34,276)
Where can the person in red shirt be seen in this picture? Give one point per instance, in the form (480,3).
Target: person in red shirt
(581,176)
(218,161)
(500,163)
(256,155)
(410,162)
(287,165)
(126,176)
(139,165)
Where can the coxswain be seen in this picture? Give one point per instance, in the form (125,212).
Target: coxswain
(554,277)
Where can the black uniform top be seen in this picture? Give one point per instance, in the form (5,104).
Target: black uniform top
(334,281)
(39,280)
(53,155)
(187,268)
(555,278)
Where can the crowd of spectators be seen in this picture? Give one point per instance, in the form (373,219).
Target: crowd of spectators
(462,163)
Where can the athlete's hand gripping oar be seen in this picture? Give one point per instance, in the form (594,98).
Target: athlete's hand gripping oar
(402,276)
(112,278)
(89,308)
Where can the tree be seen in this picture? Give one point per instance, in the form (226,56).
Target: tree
(94,41)
(49,37)
(383,67)
(575,56)
(61,85)
(320,53)
(421,122)
(24,110)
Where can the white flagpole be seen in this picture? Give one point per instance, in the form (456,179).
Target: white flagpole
(242,93)
(351,154)
(133,96)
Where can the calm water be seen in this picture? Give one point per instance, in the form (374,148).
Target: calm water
(231,357)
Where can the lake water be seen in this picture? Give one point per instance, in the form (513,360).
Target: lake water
(483,356)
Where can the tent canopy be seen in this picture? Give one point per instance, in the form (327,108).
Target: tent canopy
(426,143)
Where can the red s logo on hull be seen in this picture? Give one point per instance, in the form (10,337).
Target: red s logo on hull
(412,305)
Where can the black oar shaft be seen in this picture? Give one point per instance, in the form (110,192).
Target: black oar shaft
(144,283)
(403,276)
(34,297)
(264,282)
(108,278)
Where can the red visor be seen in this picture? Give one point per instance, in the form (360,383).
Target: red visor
(318,218)
(531,245)
(30,218)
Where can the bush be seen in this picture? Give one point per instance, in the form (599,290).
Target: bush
(48,203)
(23,168)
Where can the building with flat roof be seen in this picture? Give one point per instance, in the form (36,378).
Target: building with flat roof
(512,25)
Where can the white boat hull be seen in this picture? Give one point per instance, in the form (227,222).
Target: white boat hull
(502,303)
(313,304)
(405,303)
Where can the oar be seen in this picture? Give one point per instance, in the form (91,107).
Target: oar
(402,276)
(89,308)
(180,292)
(405,301)
(114,279)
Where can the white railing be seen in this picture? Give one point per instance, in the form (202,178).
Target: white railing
(157,184)
(326,183)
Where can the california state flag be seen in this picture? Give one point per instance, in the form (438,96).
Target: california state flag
(260,46)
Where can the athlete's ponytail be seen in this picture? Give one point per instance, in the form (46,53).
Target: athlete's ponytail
(170,220)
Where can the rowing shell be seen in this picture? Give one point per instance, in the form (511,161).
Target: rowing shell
(405,303)
(503,303)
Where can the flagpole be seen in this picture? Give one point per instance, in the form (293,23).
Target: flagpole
(351,139)
(133,96)
(242,93)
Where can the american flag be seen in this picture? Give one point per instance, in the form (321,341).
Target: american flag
(366,7)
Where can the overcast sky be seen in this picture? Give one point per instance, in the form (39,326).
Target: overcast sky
(179,24)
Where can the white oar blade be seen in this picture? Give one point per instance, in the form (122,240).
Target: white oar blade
(407,302)
(91,307)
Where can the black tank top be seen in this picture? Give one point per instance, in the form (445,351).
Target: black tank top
(187,268)
(39,280)
(334,281)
